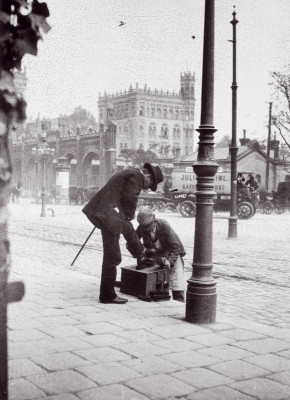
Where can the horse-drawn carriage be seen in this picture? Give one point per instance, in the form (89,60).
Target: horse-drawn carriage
(81,195)
(179,201)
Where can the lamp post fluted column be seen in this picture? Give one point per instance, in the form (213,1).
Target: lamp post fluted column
(233,219)
(43,151)
(43,213)
(201,289)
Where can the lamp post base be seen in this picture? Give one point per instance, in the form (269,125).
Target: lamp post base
(233,227)
(200,304)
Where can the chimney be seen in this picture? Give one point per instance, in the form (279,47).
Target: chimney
(274,145)
(244,141)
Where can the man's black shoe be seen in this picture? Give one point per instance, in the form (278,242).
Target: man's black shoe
(141,262)
(116,300)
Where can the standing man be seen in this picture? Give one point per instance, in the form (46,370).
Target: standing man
(111,210)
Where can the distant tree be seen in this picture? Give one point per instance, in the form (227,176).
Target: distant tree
(138,157)
(256,145)
(224,142)
(21,25)
(281,116)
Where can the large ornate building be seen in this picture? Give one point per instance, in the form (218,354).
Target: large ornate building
(133,119)
(150,119)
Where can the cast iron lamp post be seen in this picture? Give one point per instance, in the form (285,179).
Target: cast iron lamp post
(43,151)
(201,289)
(233,219)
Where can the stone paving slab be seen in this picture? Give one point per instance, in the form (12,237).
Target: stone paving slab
(65,345)
(263,389)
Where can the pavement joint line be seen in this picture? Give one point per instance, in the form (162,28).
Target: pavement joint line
(189,269)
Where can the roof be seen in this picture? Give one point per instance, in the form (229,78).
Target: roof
(220,154)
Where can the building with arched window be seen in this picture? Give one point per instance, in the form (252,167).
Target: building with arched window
(160,120)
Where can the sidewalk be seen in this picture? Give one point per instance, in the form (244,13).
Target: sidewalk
(65,345)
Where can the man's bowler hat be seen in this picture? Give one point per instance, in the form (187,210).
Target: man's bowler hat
(156,174)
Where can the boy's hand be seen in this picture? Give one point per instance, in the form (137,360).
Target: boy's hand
(165,262)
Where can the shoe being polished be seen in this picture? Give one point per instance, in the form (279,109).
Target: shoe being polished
(116,300)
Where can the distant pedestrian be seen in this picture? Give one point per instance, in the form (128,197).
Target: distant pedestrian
(111,209)
(251,182)
(157,233)
(167,188)
(16,190)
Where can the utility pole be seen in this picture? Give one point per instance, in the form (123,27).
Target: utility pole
(201,290)
(268,147)
(233,219)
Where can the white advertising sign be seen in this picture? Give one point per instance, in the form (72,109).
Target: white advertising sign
(187,181)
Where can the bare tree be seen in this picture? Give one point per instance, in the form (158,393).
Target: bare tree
(224,142)
(281,117)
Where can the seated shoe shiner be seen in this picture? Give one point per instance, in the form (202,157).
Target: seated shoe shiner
(111,209)
(157,233)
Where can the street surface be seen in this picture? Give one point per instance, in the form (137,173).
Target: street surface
(63,343)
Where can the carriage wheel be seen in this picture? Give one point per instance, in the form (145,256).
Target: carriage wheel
(245,210)
(267,207)
(187,209)
(279,208)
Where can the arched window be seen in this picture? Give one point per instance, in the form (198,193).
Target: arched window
(164,113)
(141,130)
(158,112)
(152,112)
(176,114)
(150,131)
(170,116)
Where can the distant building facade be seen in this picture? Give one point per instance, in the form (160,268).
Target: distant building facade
(150,119)
(249,160)
(135,119)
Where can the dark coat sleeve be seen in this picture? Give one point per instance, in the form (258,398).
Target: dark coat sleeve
(132,188)
(170,241)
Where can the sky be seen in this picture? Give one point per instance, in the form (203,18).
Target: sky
(86,53)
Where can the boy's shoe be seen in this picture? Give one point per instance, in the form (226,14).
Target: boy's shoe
(178,295)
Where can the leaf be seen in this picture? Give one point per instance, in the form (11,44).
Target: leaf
(6,81)
(38,21)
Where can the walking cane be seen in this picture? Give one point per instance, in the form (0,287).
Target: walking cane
(83,246)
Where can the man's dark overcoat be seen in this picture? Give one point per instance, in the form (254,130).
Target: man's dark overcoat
(116,201)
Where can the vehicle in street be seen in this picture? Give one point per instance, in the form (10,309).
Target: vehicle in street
(247,198)
(179,201)
(278,201)
(81,195)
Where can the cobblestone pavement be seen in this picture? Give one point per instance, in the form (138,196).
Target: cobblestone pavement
(64,345)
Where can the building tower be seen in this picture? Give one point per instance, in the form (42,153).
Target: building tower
(187,82)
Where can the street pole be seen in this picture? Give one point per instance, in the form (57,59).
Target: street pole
(43,214)
(233,219)
(201,289)
(268,147)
